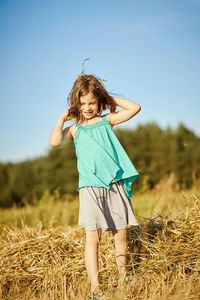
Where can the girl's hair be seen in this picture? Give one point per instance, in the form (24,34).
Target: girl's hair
(83,85)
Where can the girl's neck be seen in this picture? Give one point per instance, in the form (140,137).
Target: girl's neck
(91,121)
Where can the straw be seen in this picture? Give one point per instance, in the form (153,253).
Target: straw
(163,257)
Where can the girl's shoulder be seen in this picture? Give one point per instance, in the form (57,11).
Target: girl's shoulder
(108,117)
(72,130)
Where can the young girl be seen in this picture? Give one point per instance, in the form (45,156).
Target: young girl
(105,170)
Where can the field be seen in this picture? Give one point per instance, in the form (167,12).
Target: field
(42,249)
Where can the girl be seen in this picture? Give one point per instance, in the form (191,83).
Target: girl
(105,170)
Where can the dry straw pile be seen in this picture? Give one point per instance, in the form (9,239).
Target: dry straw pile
(164,258)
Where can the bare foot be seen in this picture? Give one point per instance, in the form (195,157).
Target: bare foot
(96,291)
(122,277)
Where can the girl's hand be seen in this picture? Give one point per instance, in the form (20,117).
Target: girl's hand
(65,115)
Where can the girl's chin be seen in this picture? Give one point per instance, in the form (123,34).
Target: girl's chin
(88,115)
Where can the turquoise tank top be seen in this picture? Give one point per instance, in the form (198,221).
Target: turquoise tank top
(101,159)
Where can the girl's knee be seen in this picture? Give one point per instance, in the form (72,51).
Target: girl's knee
(119,234)
(119,238)
(93,236)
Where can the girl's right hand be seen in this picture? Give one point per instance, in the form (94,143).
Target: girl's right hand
(65,115)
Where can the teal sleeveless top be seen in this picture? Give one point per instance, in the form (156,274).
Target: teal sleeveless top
(101,159)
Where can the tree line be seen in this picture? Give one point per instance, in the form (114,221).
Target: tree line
(153,151)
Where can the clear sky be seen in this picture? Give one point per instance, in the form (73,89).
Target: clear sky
(148,51)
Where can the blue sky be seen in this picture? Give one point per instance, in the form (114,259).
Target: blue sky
(148,51)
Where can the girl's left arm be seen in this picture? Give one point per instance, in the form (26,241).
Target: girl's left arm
(129,110)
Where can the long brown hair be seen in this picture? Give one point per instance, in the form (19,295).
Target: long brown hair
(83,85)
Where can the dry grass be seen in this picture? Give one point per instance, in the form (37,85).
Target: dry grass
(54,210)
(51,210)
(48,263)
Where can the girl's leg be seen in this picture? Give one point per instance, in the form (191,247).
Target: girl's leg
(93,238)
(120,251)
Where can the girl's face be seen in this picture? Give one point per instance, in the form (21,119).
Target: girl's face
(88,106)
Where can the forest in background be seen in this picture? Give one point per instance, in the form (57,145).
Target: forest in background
(154,152)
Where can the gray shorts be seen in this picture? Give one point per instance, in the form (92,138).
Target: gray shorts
(105,209)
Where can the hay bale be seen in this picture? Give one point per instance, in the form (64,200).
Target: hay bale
(164,256)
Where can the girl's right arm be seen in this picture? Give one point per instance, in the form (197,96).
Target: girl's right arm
(57,133)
